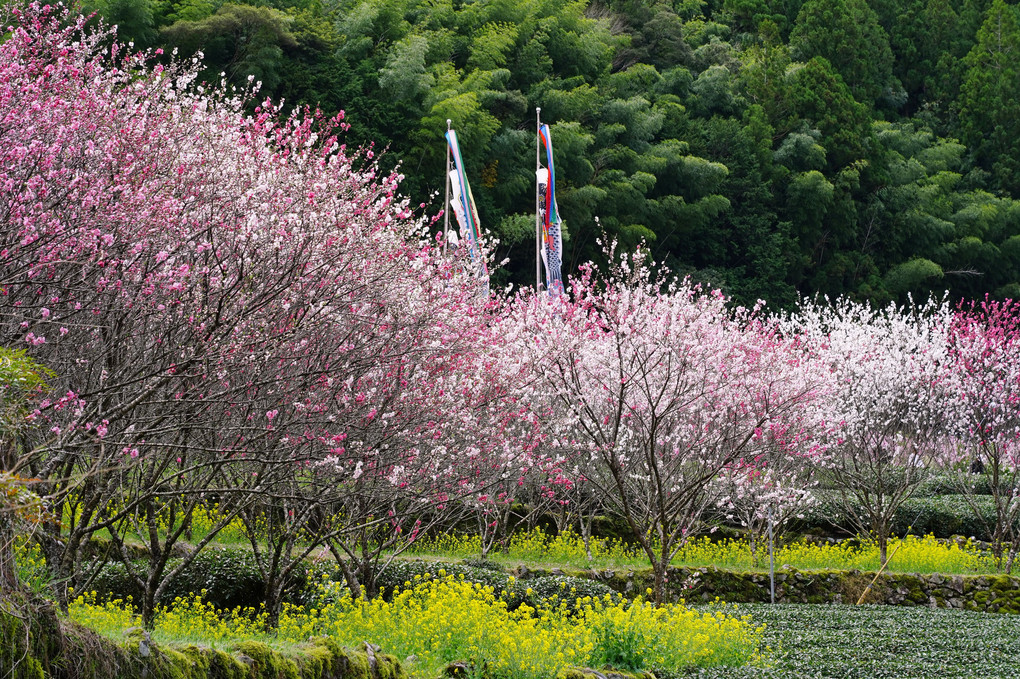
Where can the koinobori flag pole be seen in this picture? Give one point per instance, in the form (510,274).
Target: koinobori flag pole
(464,209)
(550,236)
(446,205)
(538,220)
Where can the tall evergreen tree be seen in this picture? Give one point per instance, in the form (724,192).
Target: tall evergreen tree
(989,100)
(847,34)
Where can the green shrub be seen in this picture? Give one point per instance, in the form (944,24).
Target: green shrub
(949,484)
(230,578)
(514,591)
(399,573)
(564,587)
(484,564)
(946,515)
(940,515)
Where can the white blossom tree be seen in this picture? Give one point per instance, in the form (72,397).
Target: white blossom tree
(659,387)
(774,488)
(886,402)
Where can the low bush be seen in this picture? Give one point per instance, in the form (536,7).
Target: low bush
(513,591)
(951,484)
(947,515)
(940,515)
(565,588)
(399,574)
(230,578)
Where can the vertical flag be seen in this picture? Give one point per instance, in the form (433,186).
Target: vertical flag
(463,204)
(551,235)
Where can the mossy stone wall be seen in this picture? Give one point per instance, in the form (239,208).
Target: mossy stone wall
(34,644)
(988,593)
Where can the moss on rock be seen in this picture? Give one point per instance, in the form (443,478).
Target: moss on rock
(35,644)
(588,673)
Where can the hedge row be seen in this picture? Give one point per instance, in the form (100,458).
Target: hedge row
(528,588)
(230,579)
(941,515)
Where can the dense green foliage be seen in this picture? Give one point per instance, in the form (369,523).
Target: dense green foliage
(770,147)
(942,516)
(229,578)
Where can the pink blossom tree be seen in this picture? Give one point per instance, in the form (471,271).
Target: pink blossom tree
(237,307)
(659,387)
(453,425)
(985,403)
(886,401)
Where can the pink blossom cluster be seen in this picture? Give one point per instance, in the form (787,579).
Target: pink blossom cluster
(235,301)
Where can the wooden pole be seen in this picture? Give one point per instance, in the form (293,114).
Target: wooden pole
(875,579)
(446,205)
(538,222)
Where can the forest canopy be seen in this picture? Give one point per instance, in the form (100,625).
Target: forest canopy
(766,147)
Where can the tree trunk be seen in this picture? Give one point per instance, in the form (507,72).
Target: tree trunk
(274,602)
(660,571)
(350,574)
(153,588)
(149,608)
(367,575)
(8,567)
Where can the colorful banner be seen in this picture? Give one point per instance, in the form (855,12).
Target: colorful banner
(552,235)
(463,204)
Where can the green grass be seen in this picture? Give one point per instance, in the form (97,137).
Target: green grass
(881,641)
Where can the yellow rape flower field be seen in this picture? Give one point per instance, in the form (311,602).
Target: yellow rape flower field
(432,621)
(437,621)
(911,554)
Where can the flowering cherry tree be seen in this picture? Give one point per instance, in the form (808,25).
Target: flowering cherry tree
(659,387)
(774,489)
(886,403)
(985,403)
(237,307)
(454,426)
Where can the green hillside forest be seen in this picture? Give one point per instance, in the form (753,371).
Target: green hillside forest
(772,148)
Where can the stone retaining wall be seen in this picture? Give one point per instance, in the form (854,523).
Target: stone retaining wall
(989,593)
